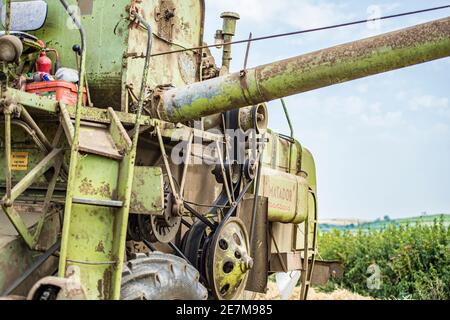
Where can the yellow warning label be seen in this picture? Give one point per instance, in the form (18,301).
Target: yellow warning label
(19,161)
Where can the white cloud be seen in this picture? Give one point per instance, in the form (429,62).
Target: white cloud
(401,95)
(388,119)
(441,129)
(362,88)
(353,111)
(298,14)
(428,102)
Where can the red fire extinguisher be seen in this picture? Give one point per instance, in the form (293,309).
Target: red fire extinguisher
(43,63)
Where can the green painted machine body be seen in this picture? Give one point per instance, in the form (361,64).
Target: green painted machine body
(113,66)
(92,171)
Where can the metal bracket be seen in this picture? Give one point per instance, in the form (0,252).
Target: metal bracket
(164,15)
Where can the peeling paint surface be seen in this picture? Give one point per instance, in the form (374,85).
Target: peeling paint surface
(307,72)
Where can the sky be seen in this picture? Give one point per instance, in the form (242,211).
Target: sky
(381,143)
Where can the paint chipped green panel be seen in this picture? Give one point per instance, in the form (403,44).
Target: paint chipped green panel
(106,48)
(25,154)
(147,195)
(308,165)
(16,257)
(113,43)
(92,228)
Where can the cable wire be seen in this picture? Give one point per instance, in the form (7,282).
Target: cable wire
(280,35)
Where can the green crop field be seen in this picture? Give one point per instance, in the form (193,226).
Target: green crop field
(411,257)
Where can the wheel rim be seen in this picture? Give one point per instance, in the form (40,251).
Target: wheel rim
(229,260)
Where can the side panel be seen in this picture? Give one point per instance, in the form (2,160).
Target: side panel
(147,195)
(113,44)
(16,257)
(287,196)
(91,228)
(183,30)
(107,40)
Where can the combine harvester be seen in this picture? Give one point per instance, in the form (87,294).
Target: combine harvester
(134,168)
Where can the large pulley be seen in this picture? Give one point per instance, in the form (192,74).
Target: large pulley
(227,260)
(157,228)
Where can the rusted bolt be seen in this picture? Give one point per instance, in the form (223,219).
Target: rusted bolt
(7,203)
(169,14)
(246,263)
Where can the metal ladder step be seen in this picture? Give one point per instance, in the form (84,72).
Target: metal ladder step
(99,203)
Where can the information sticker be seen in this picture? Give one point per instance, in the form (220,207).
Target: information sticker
(19,161)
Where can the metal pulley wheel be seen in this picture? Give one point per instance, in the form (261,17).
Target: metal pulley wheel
(160,228)
(193,243)
(228,260)
(133,230)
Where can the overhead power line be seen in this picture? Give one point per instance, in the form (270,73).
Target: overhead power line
(280,35)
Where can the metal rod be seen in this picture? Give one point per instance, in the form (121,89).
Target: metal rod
(199,216)
(8,168)
(32,268)
(286,112)
(75,142)
(186,164)
(92,263)
(291,127)
(47,201)
(225,177)
(187,224)
(166,162)
(30,121)
(81,70)
(247,51)
(304,273)
(32,134)
(238,200)
(149,245)
(178,251)
(283,265)
(304,294)
(256,198)
(8,17)
(144,78)
(121,224)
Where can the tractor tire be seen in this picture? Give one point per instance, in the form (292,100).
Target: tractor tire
(161,276)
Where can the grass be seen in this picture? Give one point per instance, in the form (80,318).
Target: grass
(413,256)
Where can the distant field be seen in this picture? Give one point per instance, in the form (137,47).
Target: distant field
(405,258)
(383,223)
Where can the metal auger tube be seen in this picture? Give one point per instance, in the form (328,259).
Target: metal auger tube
(354,60)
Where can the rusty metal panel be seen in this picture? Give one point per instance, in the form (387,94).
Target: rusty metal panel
(283,236)
(86,7)
(299,238)
(326,270)
(16,257)
(258,275)
(147,195)
(175,24)
(291,260)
